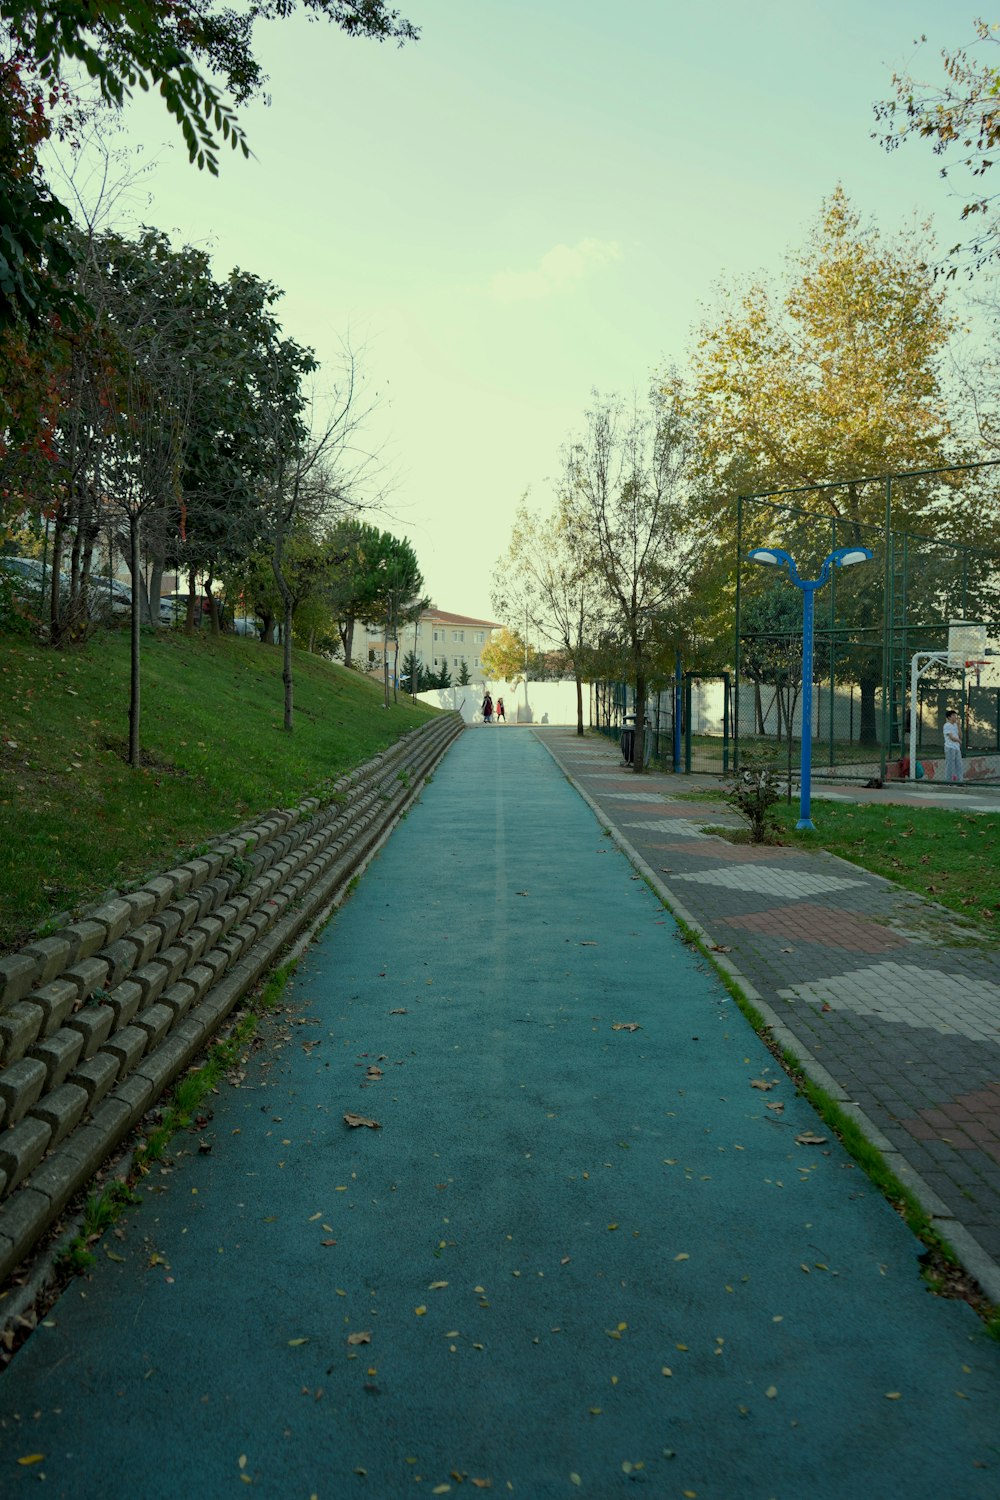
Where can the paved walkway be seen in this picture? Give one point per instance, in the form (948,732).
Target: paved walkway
(883,996)
(596,1241)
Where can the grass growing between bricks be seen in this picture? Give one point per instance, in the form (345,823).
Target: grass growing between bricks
(76,820)
(940,1266)
(179,1112)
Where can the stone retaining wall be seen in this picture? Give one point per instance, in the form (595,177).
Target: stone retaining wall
(98,1019)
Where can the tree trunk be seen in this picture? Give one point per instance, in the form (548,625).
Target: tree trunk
(639,755)
(135,682)
(868,731)
(192,603)
(579,703)
(347,639)
(286,665)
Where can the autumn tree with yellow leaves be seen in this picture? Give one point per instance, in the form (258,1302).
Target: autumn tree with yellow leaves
(837,375)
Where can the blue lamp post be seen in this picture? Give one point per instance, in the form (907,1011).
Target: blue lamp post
(774,557)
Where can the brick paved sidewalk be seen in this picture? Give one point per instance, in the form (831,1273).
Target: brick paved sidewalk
(882,996)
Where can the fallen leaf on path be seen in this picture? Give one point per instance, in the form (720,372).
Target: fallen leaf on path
(588,943)
(294,1343)
(763,1083)
(720,948)
(435,1286)
(625,1026)
(374,1072)
(31,1458)
(400,1012)
(355,1120)
(774,1104)
(328,1242)
(359,1338)
(808,1138)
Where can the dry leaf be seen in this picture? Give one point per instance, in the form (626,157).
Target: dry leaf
(374,1072)
(359,1338)
(355,1120)
(683,1256)
(720,948)
(625,1026)
(763,1083)
(399,1013)
(328,1242)
(808,1138)
(294,1343)
(776,1105)
(31,1458)
(588,943)
(483,1484)
(436,1286)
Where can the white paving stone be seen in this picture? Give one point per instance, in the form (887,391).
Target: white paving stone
(947,1003)
(632,797)
(766,881)
(683,827)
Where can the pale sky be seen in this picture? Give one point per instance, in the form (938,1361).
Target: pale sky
(535,200)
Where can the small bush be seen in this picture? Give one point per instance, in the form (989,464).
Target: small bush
(752,792)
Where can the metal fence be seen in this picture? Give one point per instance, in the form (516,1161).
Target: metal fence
(870,622)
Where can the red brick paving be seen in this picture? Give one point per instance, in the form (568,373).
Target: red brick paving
(829,925)
(970,1122)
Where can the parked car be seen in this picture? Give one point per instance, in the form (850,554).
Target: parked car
(109,595)
(29,578)
(174,607)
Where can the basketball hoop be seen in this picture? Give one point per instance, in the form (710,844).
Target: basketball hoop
(976,665)
(966,643)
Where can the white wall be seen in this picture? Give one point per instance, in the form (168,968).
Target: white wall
(548,702)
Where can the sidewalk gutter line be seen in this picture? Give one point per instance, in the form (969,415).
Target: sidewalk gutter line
(973,1257)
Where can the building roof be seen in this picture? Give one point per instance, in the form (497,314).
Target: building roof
(444,618)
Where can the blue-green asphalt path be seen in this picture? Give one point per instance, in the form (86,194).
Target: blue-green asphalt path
(584,1253)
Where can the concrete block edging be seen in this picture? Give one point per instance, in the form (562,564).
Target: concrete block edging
(312,851)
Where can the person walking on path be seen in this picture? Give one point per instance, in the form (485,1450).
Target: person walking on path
(953,770)
(487,709)
(500,711)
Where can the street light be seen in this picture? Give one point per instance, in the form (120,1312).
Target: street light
(775,557)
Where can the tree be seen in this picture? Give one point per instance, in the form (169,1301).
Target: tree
(503,656)
(413,673)
(838,375)
(626,477)
(549,577)
(771,650)
(175,47)
(960,116)
(463,674)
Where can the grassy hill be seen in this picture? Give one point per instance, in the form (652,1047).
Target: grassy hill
(76,820)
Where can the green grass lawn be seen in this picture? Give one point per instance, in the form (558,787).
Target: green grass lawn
(76,820)
(952,857)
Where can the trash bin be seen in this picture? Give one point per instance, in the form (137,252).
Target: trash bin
(628,739)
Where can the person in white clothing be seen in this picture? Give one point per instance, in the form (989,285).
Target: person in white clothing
(952,748)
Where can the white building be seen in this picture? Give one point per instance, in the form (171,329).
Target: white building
(437,638)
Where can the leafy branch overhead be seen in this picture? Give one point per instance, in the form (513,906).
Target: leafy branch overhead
(960,116)
(175,47)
